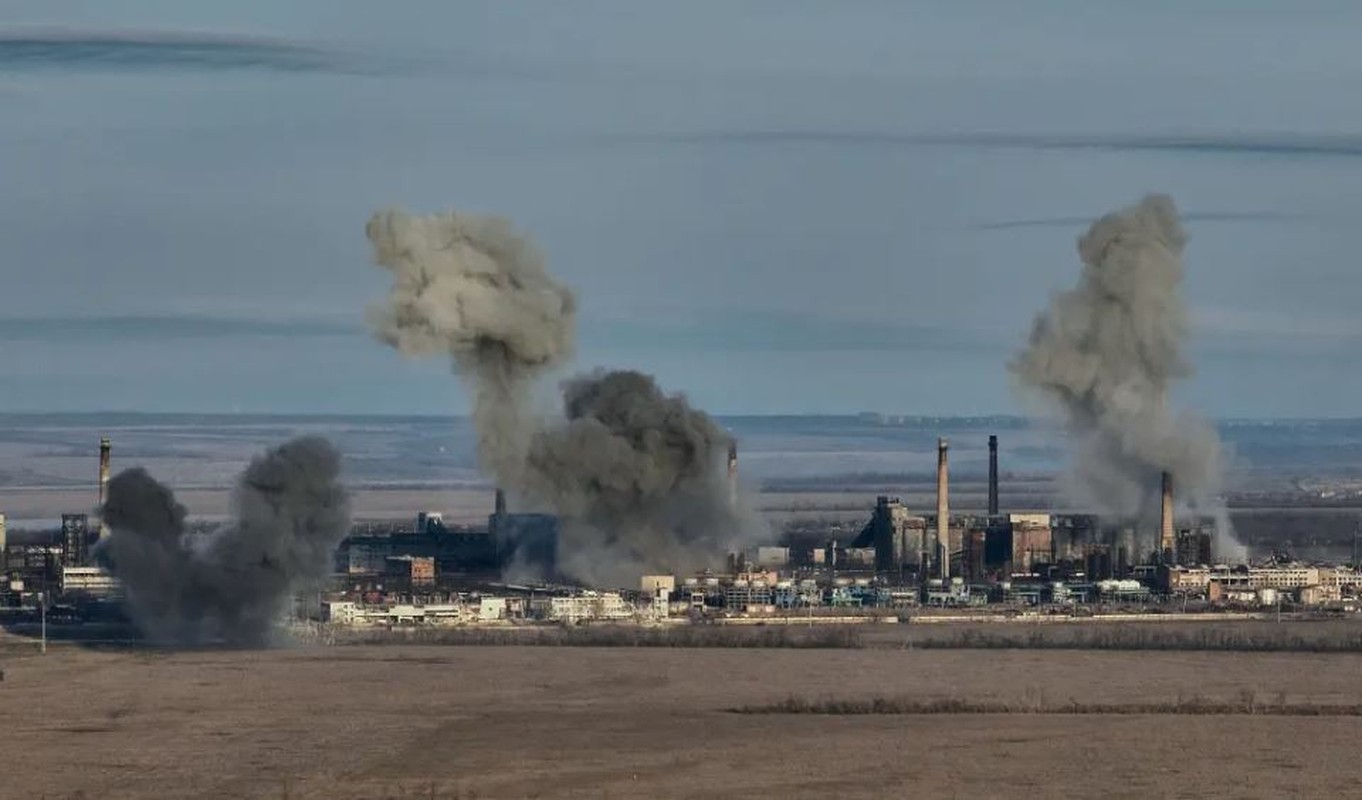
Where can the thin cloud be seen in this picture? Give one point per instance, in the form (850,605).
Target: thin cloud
(1084,222)
(103,50)
(1235,323)
(769,330)
(1276,144)
(157,327)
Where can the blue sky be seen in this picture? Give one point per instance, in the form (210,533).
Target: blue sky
(776,207)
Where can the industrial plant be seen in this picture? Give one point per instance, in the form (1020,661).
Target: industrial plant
(902,562)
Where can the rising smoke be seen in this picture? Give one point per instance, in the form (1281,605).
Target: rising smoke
(473,288)
(633,474)
(227,585)
(1106,353)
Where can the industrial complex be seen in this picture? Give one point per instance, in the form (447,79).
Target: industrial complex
(901,562)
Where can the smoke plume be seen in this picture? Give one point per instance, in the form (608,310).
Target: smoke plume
(229,584)
(635,475)
(1106,353)
(473,288)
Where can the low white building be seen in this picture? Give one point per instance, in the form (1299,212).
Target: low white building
(491,609)
(589,606)
(344,612)
(91,582)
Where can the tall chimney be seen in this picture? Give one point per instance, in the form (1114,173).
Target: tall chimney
(943,513)
(499,509)
(732,474)
(105,453)
(993,476)
(1167,542)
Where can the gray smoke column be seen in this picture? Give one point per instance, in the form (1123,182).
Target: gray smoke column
(638,478)
(230,584)
(635,476)
(473,288)
(1106,353)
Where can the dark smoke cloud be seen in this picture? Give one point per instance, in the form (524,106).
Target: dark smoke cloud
(636,476)
(230,584)
(1106,353)
(473,288)
(632,473)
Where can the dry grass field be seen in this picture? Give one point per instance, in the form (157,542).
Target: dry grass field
(409,721)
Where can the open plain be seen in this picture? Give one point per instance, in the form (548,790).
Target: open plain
(413,721)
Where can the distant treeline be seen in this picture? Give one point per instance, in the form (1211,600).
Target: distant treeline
(1247,703)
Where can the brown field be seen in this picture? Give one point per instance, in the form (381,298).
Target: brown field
(409,721)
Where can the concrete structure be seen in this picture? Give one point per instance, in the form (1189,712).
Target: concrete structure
(105,461)
(1194,547)
(90,582)
(1167,539)
(1187,580)
(772,557)
(993,476)
(941,554)
(899,537)
(491,609)
(1346,579)
(654,585)
(351,613)
(413,570)
(732,474)
(528,540)
(1032,541)
(429,522)
(589,606)
(75,540)
(1283,577)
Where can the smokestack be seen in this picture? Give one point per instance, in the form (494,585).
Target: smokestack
(105,452)
(500,507)
(732,474)
(943,515)
(993,476)
(1167,543)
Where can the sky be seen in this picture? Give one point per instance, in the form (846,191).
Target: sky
(775,207)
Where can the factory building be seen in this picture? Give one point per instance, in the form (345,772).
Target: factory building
(433,549)
(414,572)
(997,546)
(529,541)
(773,557)
(89,582)
(75,540)
(1194,547)
(898,537)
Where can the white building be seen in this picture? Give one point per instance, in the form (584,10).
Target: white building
(655,584)
(589,606)
(344,612)
(1294,576)
(90,581)
(491,609)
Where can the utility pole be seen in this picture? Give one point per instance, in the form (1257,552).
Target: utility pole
(42,612)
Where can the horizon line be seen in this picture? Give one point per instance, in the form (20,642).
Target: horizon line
(889,418)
